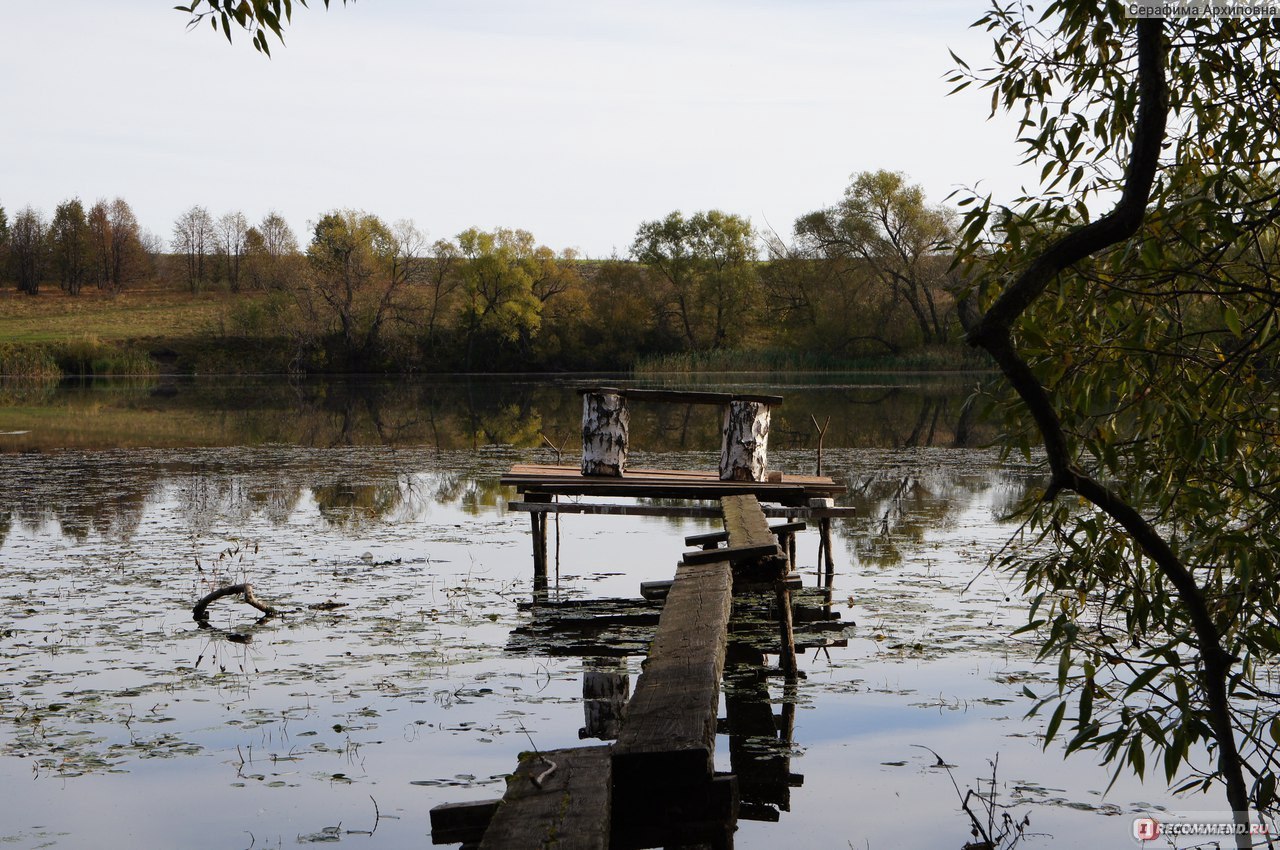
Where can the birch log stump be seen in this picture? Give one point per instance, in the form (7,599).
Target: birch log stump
(743,455)
(605,422)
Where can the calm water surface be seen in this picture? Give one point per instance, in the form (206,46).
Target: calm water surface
(373,510)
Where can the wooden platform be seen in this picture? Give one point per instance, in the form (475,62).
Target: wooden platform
(666,484)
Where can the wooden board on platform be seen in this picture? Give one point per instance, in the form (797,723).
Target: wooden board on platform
(711,538)
(687,511)
(684,396)
(732,554)
(665,483)
(669,731)
(556,798)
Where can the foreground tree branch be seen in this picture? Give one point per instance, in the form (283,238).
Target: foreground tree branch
(993,331)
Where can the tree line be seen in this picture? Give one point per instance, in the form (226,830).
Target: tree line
(867,276)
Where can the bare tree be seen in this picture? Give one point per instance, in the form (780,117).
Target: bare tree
(193,239)
(230,234)
(271,253)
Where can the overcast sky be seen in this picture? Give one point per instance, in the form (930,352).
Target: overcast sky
(573,119)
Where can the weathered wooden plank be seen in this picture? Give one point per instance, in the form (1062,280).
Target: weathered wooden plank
(551,470)
(558,798)
(732,554)
(744,521)
(688,511)
(684,396)
(461,823)
(723,536)
(655,591)
(669,731)
(789,489)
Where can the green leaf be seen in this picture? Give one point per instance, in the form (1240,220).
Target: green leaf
(1054,723)
(1143,679)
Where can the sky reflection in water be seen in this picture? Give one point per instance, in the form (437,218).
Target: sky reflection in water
(124,724)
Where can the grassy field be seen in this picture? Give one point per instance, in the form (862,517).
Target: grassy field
(132,316)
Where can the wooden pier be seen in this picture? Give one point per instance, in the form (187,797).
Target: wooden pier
(657,786)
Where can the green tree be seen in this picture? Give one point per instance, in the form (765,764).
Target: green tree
(99,223)
(507,279)
(821,302)
(706,264)
(4,238)
(884,226)
(127,258)
(28,250)
(4,242)
(1140,348)
(442,280)
(69,245)
(358,271)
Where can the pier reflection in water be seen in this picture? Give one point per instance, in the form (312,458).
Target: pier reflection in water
(119,505)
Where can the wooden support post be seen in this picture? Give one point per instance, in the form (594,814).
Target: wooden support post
(745,446)
(786,628)
(556,798)
(824,529)
(669,732)
(539,532)
(605,423)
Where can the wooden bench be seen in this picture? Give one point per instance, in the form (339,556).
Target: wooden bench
(744,444)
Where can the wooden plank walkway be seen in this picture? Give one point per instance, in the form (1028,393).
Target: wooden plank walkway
(656,786)
(670,727)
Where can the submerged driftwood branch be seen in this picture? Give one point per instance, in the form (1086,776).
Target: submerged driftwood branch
(200,612)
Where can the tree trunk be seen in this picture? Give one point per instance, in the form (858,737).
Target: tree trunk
(605,423)
(743,455)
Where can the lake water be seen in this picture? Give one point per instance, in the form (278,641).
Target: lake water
(373,510)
